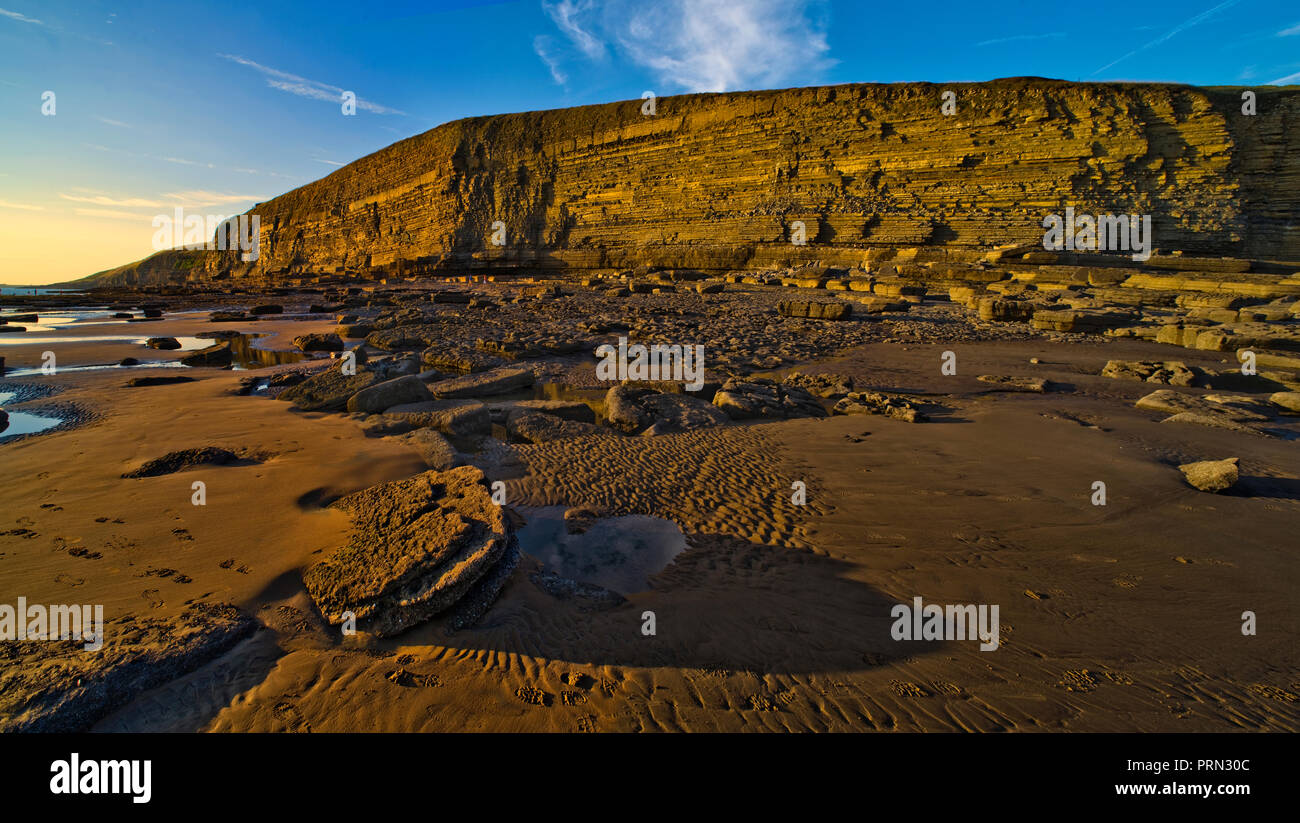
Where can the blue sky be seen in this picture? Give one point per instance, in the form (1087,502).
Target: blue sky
(213,106)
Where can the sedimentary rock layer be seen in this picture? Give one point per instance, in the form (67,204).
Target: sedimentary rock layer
(720,180)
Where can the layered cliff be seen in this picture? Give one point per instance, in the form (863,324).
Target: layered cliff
(719,180)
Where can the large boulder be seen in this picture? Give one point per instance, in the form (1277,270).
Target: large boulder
(496,381)
(760,397)
(382,396)
(458,419)
(1211,475)
(163,343)
(328,390)
(318,342)
(417,547)
(1289,401)
(218,356)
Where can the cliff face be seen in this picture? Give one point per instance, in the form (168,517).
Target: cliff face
(717,180)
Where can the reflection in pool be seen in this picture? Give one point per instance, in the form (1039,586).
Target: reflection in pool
(616,553)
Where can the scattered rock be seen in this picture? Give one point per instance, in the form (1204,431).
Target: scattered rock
(539,427)
(816,311)
(890,405)
(163,343)
(266,308)
(763,398)
(637,409)
(1173,373)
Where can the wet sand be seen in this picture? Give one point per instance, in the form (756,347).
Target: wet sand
(1116,618)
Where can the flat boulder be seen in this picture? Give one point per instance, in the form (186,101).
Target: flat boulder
(1035,385)
(266,308)
(496,381)
(382,396)
(1211,475)
(458,419)
(163,343)
(417,546)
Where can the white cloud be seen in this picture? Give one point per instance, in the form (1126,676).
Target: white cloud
(1015,38)
(113,214)
(4,204)
(1285,81)
(569,17)
(203,197)
(329,162)
(1288,32)
(22,18)
(542,45)
(101,200)
(117,123)
(301,86)
(705,45)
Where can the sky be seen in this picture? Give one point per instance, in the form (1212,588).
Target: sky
(215,106)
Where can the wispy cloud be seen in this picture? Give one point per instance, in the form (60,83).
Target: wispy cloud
(569,16)
(5,204)
(1183,26)
(542,45)
(329,162)
(117,123)
(113,214)
(301,86)
(203,197)
(1285,81)
(700,45)
(101,200)
(1015,38)
(22,18)
(1288,32)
